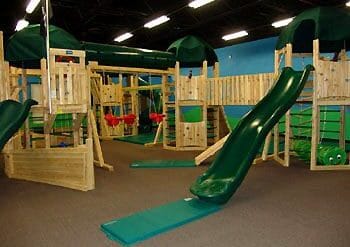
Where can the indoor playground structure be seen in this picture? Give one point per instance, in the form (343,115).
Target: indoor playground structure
(321,85)
(55,145)
(119,105)
(315,128)
(204,97)
(58,103)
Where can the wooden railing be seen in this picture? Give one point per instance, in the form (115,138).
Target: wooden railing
(238,90)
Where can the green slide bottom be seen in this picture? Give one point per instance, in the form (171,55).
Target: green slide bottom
(12,116)
(162,163)
(232,163)
(148,223)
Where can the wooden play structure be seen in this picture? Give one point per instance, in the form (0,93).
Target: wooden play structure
(185,92)
(121,98)
(317,120)
(209,95)
(328,90)
(46,150)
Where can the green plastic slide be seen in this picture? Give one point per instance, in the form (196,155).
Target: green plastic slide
(12,116)
(231,165)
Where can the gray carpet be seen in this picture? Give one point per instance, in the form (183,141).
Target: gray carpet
(275,206)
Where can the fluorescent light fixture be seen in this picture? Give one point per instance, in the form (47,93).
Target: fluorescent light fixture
(199,3)
(32,6)
(21,24)
(348,4)
(282,23)
(235,35)
(157,21)
(123,37)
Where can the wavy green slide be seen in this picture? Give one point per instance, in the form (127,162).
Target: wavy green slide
(231,165)
(12,116)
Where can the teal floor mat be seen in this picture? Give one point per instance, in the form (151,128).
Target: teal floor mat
(146,224)
(162,163)
(139,139)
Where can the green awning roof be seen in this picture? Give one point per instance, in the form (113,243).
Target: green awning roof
(29,45)
(328,24)
(115,55)
(191,51)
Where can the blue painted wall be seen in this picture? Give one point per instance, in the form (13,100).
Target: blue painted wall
(247,58)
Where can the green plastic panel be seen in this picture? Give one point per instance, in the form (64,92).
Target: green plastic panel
(13,114)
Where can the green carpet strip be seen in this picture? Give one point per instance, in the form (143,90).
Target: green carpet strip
(138,139)
(146,224)
(162,163)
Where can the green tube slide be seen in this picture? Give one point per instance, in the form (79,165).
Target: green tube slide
(326,154)
(12,116)
(231,165)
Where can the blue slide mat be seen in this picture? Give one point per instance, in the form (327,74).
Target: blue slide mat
(146,224)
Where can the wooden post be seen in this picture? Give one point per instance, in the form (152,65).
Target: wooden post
(342,129)
(203,85)
(276,128)
(45,101)
(24,95)
(1,46)
(266,147)
(315,108)
(288,63)
(159,131)
(100,160)
(2,69)
(216,70)
(177,107)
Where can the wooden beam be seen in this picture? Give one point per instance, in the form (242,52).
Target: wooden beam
(100,160)
(210,151)
(129,70)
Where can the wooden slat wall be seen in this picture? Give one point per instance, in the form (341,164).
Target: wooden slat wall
(69,82)
(192,134)
(333,79)
(191,89)
(67,167)
(111,93)
(238,90)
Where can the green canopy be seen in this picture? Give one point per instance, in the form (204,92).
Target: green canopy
(28,44)
(328,24)
(115,55)
(191,51)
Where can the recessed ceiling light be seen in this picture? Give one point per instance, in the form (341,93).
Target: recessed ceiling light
(348,4)
(157,21)
(235,35)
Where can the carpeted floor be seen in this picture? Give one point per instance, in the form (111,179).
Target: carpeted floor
(275,206)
